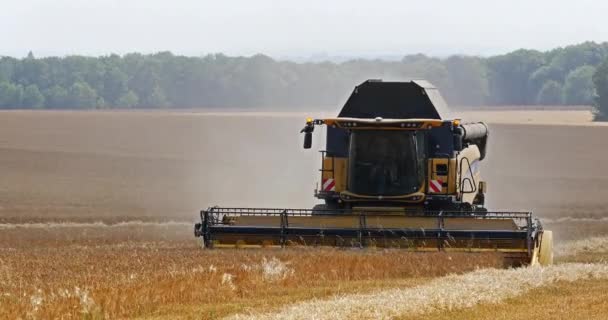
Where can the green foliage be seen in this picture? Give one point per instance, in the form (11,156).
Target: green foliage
(550,93)
(115,86)
(10,95)
(522,77)
(578,87)
(32,98)
(156,99)
(127,100)
(56,97)
(81,96)
(543,74)
(600,80)
(509,74)
(572,57)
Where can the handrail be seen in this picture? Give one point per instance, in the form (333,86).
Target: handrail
(236,211)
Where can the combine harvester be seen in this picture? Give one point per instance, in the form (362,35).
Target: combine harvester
(395,175)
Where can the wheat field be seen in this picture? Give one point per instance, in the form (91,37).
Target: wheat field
(178,279)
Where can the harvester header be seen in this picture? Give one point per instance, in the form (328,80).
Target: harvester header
(394,173)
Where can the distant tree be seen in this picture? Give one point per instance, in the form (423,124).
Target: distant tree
(578,87)
(32,71)
(521,77)
(508,77)
(115,86)
(571,57)
(156,99)
(145,80)
(81,96)
(32,98)
(600,80)
(101,103)
(127,100)
(11,95)
(468,82)
(416,67)
(56,97)
(550,94)
(7,68)
(543,74)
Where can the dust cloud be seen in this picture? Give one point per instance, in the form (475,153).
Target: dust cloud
(551,170)
(161,164)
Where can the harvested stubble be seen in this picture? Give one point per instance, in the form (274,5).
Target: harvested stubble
(579,300)
(447,293)
(65,279)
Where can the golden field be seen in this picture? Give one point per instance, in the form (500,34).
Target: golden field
(179,280)
(97,208)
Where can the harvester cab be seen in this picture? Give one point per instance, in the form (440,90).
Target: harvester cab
(401,154)
(394,174)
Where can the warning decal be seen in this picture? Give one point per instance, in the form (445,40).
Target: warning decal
(436,186)
(329,185)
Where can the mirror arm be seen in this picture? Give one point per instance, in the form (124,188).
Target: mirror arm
(308,130)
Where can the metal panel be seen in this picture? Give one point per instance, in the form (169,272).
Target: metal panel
(337,142)
(441,142)
(394,100)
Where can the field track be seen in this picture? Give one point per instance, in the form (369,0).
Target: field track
(446,293)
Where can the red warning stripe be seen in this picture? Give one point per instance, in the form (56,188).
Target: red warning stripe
(329,185)
(436,186)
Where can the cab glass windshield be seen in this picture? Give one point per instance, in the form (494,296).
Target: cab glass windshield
(386,162)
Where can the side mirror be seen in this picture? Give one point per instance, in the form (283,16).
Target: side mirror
(307,140)
(307,130)
(483,187)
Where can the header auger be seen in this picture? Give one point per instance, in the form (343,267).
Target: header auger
(394,174)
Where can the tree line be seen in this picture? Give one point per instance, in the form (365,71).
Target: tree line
(562,76)
(600,80)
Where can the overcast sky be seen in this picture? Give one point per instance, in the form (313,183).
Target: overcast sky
(296,28)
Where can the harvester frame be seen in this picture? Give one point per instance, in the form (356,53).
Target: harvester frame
(519,244)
